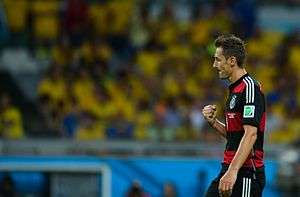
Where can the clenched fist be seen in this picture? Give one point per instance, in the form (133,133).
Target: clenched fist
(210,112)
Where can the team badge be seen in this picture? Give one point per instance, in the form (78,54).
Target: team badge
(249,111)
(232,102)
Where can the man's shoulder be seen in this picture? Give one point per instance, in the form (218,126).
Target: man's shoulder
(252,83)
(249,84)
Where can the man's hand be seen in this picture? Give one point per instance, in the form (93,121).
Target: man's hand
(210,112)
(227,182)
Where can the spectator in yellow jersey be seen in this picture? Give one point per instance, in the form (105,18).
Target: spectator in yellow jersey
(90,128)
(83,89)
(53,86)
(11,126)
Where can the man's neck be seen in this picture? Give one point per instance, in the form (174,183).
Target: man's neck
(237,74)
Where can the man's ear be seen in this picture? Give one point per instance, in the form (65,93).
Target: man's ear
(232,61)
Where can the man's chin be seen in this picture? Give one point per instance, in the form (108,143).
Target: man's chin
(223,77)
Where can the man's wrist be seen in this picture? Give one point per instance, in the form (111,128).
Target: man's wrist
(233,169)
(212,123)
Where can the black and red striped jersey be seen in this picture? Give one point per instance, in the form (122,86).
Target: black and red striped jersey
(245,106)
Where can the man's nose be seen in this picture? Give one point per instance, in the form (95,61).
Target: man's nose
(214,65)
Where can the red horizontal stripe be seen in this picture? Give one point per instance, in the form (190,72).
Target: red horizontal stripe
(258,159)
(262,122)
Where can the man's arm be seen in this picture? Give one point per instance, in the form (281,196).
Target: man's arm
(210,112)
(244,149)
(219,126)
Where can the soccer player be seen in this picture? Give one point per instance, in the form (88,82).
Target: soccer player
(242,173)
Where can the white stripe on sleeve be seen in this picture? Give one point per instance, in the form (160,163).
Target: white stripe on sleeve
(247,90)
(252,89)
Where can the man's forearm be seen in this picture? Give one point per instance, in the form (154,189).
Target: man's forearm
(244,150)
(220,127)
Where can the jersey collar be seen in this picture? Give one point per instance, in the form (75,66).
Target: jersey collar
(237,82)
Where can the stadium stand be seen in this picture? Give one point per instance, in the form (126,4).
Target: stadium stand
(141,70)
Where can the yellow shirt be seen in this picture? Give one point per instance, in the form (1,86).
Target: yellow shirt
(170,84)
(83,90)
(168,33)
(200,32)
(98,16)
(139,91)
(120,101)
(87,51)
(266,73)
(11,123)
(258,48)
(16,19)
(294,58)
(192,87)
(55,89)
(104,110)
(143,122)
(148,62)
(125,106)
(179,51)
(94,131)
(120,13)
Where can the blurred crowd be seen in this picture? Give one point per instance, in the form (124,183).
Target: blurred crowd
(143,69)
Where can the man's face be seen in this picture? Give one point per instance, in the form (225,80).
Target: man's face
(221,64)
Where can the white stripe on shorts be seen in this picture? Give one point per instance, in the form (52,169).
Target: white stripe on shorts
(246,187)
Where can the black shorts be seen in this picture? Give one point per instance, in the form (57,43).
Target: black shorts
(248,183)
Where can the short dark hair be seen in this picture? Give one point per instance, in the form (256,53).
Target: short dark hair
(232,46)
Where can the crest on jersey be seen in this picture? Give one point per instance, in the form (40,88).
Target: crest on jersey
(232,102)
